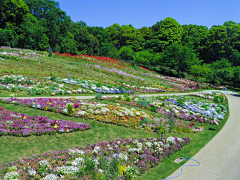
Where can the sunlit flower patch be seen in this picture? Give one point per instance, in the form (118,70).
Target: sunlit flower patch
(93,85)
(214,96)
(121,159)
(33,87)
(183,107)
(16,124)
(117,115)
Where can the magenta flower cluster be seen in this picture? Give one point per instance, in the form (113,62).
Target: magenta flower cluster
(120,159)
(16,124)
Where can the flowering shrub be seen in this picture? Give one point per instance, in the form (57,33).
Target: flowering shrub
(121,159)
(12,123)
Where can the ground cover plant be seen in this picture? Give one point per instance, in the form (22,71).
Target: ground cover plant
(121,159)
(16,124)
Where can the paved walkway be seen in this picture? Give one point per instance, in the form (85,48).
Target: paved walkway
(91,97)
(220,158)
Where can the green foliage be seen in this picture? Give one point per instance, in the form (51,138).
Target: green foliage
(194,36)
(130,36)
(12,13)
(179,57)
(98,96)
(50,54)
(216,46)
(70,108)
(169,31)
(144,57)
(126,53)
(8,37)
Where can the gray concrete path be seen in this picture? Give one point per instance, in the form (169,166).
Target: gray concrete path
(91,97)
(220,158)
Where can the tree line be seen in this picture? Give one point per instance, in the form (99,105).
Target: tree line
(205,53)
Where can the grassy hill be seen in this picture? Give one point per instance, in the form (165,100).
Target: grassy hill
(80,74)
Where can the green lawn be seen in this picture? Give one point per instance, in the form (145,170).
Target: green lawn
(12,148)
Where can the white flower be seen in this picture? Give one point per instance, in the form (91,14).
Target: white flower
(80,152)
(32,172)
(79,161)
(51,177)
(11,175)
(180,139)
(67,169)
(149,144)
(43,162)
(74,163)
(100,171)
(139,145)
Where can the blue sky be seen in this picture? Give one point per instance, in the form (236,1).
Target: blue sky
(141,13)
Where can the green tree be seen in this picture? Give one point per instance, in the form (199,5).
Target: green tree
(100,33)
(217,44)
(146,33)
(233,33)
(43,44)
(68,44)
(12,13)
(109,50)
(223,70)
(32,34)
(86,43)
(52,18)
(8,37)
(113,32)
(169,31)
(130,36)
(235,58)
(236,76)
(195,37)
(208,72)
(144,57)
(180,58)
(154,44)
(126,53)
(196,71)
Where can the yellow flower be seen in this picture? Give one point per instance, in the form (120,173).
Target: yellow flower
(55,126)
(24,117)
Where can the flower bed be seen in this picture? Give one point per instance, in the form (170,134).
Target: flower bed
(183,107)
(13,123)
(94,86)
(214,96)
(20,83)
(117,115)
(121,159)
